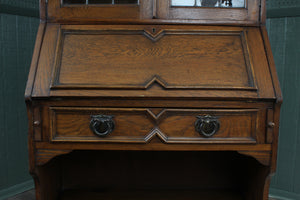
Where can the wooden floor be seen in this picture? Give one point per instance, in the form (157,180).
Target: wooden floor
(29,195)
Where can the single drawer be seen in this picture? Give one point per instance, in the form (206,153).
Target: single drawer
(141,125)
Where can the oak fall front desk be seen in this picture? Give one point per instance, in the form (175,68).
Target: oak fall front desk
(152,99)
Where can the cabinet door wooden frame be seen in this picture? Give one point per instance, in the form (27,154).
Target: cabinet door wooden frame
(247,15)
(152,11)
(57,12)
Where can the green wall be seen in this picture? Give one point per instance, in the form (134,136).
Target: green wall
(17,36)
(284,36)
(18,26)
(284,30)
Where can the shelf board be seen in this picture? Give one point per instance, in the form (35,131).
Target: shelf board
(152,194)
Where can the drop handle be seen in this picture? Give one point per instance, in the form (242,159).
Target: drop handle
(102,125)
(207,125)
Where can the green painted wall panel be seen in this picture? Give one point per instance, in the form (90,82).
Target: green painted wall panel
(283,8)
(16,47)
(294,54)
(20,7)
(33,4)
(279,4)
(3,177)
(284,36)
(278,43)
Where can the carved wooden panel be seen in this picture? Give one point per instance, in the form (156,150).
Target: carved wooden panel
(141,125)
(138,58)
(236,126)
(73,124)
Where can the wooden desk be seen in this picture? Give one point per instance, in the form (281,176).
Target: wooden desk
(152,100)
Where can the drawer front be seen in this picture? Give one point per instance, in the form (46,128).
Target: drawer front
(141,125)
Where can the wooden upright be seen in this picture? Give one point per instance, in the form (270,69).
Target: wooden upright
(152,99)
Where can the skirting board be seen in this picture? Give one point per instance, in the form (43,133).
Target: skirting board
(16,189)
(28,185)
(283,195)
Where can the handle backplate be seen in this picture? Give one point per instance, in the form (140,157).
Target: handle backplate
(207,125)
(102,125)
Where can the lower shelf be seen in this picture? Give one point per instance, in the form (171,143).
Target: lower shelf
(152,195)
(138,175)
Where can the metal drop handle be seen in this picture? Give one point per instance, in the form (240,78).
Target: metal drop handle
(207,125)
(102,125)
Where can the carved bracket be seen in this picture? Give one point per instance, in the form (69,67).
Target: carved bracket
(263,157)
(45,155)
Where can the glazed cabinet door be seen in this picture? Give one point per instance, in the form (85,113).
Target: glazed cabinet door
(95,10)
(209,11)
(179,11)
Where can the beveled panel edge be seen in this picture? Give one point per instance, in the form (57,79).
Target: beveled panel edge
(155,117)
(272,67)
(34,61)
(211,110)
(196,140)
(154,37)
(260,63)
(156,133)
(57,58)
(91,139)
(44,70)
(248,62)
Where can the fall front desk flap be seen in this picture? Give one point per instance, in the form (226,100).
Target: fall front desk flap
(152,61)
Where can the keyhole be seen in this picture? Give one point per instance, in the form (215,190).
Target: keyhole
(153,30)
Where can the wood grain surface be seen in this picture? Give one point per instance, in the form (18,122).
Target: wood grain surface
(139,67)
(178,59)
(141,125)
